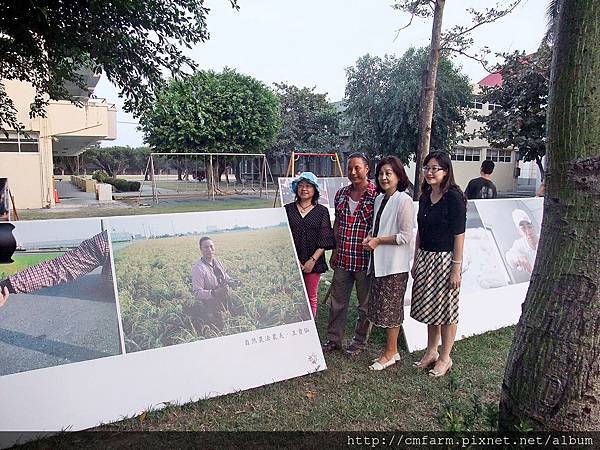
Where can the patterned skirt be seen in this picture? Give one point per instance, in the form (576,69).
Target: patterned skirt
(433,301)
(386,300)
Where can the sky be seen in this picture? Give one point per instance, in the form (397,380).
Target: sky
(311,43)
(197,222)
(32,231)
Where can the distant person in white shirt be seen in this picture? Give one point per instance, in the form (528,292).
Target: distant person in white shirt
(482,187)
(521,255)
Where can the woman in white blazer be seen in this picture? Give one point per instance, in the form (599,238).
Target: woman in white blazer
(389,242)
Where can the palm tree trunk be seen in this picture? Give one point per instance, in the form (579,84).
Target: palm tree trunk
(552,377)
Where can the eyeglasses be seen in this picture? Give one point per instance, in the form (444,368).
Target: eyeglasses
(432,169)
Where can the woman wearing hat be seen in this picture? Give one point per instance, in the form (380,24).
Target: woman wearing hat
(312,232)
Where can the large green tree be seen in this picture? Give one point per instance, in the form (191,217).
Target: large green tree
(520,122)
(50,43)
(383,95)
(309,121)
(552,377)
(211,112)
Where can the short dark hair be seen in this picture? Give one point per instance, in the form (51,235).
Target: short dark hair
(487,166)
(398,169)
(203,239)
(360,155)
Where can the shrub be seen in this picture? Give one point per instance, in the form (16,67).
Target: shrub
(124,185)
(100,176)
(120,185)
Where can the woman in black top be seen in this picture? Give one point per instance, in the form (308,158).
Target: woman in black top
(311,229)
(437,262)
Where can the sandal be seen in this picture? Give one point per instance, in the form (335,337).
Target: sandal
(396,357)
(438,374)
(379,366)
(426,364)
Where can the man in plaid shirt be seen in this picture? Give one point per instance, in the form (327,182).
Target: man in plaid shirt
(91,253)
(353,220)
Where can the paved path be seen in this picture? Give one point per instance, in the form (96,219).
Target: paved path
(66,190)
(72,322)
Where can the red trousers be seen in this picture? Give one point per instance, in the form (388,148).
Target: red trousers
(311,281)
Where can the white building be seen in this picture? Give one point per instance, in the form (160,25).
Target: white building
(510,174)
(67,130)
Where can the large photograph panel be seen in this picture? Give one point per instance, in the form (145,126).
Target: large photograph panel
(62,308)
(173,288)
(515,227)
(482,266)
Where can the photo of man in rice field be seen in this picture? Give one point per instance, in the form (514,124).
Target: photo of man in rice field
(211,286)
(191,276)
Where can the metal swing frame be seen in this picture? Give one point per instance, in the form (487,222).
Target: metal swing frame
(264,172)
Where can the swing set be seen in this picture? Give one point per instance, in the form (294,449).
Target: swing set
(251,172)
(295,156)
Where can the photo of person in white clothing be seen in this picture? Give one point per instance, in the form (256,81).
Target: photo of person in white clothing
(521,256)
(514,226)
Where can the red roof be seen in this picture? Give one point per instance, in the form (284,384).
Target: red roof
(493,79)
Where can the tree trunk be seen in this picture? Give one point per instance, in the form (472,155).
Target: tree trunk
(221,168)
(179,168)
(428,95)
(552,377)
(237,170)
(212,181)
(538,161)
(106,167)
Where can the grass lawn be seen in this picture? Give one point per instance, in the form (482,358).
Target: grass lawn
(346,396)
(165,207)
(23,261)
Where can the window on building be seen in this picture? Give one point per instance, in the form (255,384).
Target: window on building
(499,155)
(17,143)
(476,105)
(493,106)
(466,154)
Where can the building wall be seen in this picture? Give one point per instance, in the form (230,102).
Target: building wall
(504,173)
(503,176)
(22,95)
(92,119)
(66,127)
(24,174)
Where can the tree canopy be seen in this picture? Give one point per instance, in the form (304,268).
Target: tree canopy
(49,44)
(520,122)
(225,112)
(115,160)
(382,96)
(309,121)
